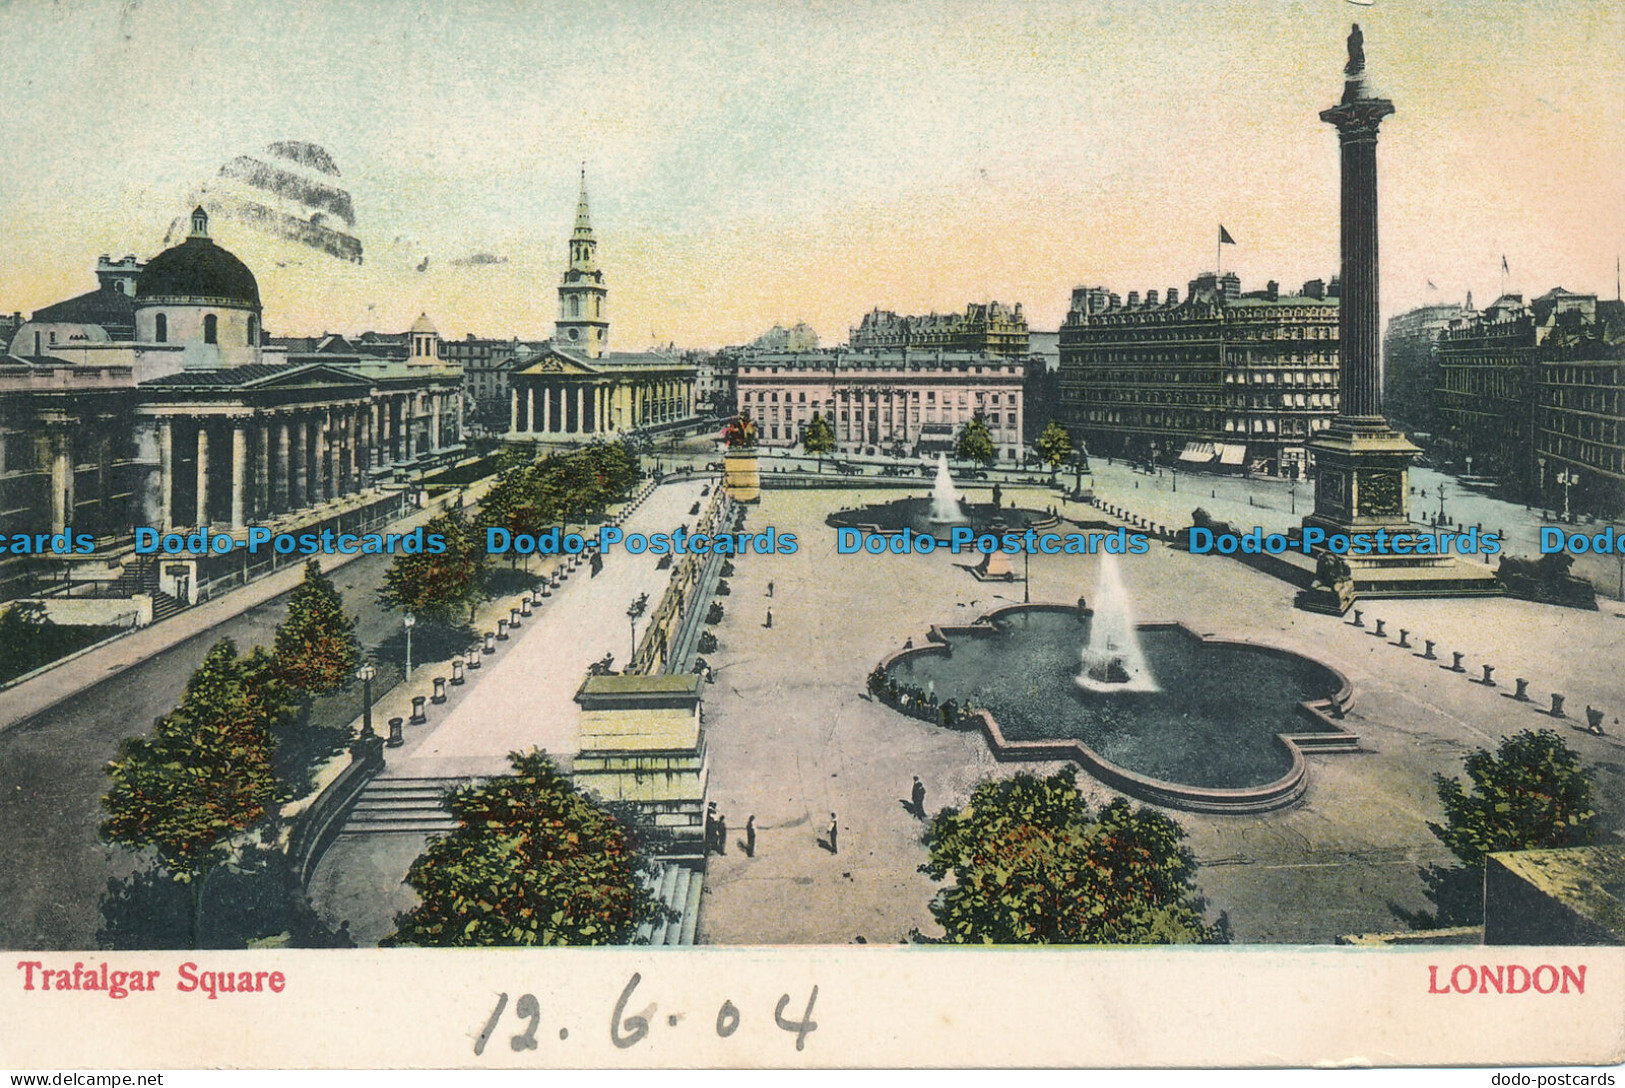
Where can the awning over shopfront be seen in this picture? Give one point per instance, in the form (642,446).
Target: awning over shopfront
(1232,454)
(1198,453)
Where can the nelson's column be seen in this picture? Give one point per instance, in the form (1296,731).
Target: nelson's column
(1362,463)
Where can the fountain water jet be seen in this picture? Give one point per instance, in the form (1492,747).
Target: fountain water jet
(1113,660)
(945,508)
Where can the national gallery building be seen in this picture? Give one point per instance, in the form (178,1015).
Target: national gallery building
(157,399)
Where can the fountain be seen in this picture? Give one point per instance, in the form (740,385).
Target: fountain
(1158,711)
(945,508)
(1112,658)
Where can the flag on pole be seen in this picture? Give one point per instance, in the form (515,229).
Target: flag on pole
(1432,286)
(1504,267)
(1224,237)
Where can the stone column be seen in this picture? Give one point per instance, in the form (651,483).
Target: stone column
(282,495)
(320,484)
(530,409)
(547,410)
(61,448)
(299,467)
(434,423)
(262,468)
(202,510)
(581,409)
(1357,118)
(239,471)
(166,474)
(513,412)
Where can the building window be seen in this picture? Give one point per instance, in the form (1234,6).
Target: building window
(161,329)
(211,329)
(253,329)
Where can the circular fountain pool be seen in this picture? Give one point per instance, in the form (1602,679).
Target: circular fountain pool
(1223,730)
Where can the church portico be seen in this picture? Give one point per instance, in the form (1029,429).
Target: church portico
(559,395)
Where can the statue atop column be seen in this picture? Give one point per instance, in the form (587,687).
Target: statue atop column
(1355,68)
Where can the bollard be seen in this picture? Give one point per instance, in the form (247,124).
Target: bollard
(502,630)
(1488,682)
(490,646)
(395,738)
(1594,720)
(1429,655)
(1557,706)
(1359,618)
(524,605)
(1404,638)
(1455,664)
(513,618)
(1379,632)
(439,691)
(1522,694)
(473,658)
(457,672)
(418,715)
(547,590)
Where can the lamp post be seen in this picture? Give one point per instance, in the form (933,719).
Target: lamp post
(633,611)
(409,622)
(1541,461)
(365,674)
(1568,479)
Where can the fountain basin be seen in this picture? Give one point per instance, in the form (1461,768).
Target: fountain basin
(915,515)
(1225,734)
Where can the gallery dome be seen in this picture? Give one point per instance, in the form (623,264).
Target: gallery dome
(198,270)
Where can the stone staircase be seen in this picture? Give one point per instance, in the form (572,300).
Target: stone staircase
(402,805)
(677,886)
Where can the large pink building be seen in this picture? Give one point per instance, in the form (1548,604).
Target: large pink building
(884,402)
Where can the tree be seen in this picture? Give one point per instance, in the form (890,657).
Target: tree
(516,501)
(1054,445)
(976,442)
(316,649)
(439,585)
(533,861)
(1031,865)
(205,775)
(818,438)
(1530,794)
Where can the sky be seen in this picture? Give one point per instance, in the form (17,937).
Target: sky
(759,163)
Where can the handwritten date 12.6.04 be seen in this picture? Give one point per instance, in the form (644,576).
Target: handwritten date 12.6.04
(627,1031)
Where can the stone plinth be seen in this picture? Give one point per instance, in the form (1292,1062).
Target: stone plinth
(640,744)
(741,476)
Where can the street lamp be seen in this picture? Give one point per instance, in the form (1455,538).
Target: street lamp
(1568,479)
(409,622)
(365,675)
(633,611)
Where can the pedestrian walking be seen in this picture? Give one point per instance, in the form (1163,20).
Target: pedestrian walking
(769,622)
(834,829)
(919,797)
(770,589)
(710,827)
(722,833)
(750,835)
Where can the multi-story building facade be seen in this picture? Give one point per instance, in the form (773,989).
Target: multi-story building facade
(984,327)
(1410,365)
(1484,398)
(1580,421)
(884,402)
(1220,379)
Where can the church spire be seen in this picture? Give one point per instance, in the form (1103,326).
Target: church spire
(583,217)
(583,324)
